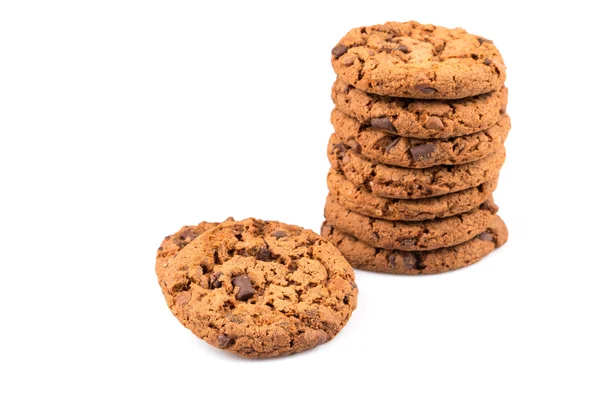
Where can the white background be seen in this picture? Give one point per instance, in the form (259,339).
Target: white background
(121,121)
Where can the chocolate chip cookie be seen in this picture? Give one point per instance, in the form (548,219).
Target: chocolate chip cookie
(260,288)
(410,235)
(409,183)
(401,151)
(366,203)
(363,256)
(418,61)
(423,119)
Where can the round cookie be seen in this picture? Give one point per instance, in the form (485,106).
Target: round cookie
(363,256)
(423,119)
(410,235)
(260,288)
(409,183)
(366,203)
(402,151)
(418,61)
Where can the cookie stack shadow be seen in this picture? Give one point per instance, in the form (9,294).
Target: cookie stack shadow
(420,123)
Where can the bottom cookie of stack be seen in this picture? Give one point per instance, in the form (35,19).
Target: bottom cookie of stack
(363,256)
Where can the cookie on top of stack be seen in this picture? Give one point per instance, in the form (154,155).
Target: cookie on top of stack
(420,123)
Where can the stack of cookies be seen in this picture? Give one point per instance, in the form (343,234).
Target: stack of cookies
(420,122)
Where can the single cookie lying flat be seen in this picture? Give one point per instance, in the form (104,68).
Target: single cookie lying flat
(260,288)
(418,61)
(366,203)
(400,151)
(363,256)
(409,183)
(410,235)
(424,119)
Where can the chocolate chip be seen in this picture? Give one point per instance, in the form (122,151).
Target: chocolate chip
(354,145)
(160,248)
(347,61)
(263,254)
(422,151)
(346,89)
(244,285)
(434,122)
(407,242)
(487,61)
(483,40)
(375,235)
(339,148)
(403,49)
(214,282)
(339,50)
(384,124)
(279,234)
(486,236)
(236,319)
(347,159)
(390,146)
(225,341)
(183,298)
(489,205)
(425,88)
(410,261)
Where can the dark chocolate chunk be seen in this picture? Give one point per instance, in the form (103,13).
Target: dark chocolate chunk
(339,50)
(244,285)
(403,49)
(486,236)
(214,282)
(434,122)
(384,124)
(410,260)
(279,234)
(489,206)
(483,40)
(422,151)
(225,341)
(339,148)
(354,145)
(263,254)
(487,61)
(425,88)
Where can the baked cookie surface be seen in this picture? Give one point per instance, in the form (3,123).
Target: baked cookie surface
(418,61)
(401,151)
(410,235)
(366,203)
(423,119)
(411,183)
(259,288)
(363,256)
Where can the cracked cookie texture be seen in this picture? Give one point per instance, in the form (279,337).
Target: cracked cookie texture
(402,151)
(257,288)
(365,257)
(423,119)
(411,235)
(366,203)
(418,61)
(411,183)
